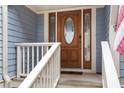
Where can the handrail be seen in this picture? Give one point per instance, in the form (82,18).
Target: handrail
(37,71)
(34,44)
(109,74)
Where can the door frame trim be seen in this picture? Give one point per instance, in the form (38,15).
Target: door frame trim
(93,29)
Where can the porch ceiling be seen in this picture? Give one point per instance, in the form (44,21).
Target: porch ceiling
(39,8)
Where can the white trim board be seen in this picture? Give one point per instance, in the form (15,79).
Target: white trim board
(112,34)
(93,29)
(70,9)
(46,26)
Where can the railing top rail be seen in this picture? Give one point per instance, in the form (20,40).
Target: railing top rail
(35,44)
(36,71)
(109,67)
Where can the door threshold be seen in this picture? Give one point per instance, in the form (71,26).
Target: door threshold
(71,70)
(77,70)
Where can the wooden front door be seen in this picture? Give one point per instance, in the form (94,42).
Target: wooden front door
(69,34)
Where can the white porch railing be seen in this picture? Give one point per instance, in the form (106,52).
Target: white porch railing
(109,74)
(28,55)
(47,71)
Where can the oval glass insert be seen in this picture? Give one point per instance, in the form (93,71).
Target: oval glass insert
(69,30)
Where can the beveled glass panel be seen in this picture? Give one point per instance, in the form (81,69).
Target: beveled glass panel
(52,28)
(87,36)
(69,30)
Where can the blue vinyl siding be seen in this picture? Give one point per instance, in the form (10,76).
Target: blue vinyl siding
(40,28)
(107,20)
(102,29)
(21,28)
(121,65)
(1,59)
(100,35)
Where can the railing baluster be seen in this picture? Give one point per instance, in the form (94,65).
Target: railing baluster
(54,65)
(52,70)
(59,66)
(56,62)
(41,80)
(28,60)
(37,82)
(47,76)
(50,73)
(42,51)
(32,57)
(37,54)
(23,71)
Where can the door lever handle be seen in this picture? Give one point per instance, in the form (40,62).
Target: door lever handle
(80,41)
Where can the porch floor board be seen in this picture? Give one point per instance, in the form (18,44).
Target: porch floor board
(85,80)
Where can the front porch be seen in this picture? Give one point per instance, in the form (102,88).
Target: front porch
(46,73)
(39,65)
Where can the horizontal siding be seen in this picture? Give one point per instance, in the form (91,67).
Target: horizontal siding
(1,54)
(40,28)
(121,73)
(102,30)
(21,28)
(107,17)
(121,65)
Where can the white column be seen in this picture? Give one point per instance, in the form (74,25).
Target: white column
(112,34)
(5,44)
(56,26)
(93,32)
(46,27)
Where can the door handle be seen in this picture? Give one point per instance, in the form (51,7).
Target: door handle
(80,41)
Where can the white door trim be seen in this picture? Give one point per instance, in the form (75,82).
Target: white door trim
(93,29)
(46,27)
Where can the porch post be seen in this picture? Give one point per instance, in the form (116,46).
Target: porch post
(5,45)
(46,27)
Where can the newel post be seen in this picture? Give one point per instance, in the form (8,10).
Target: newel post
(18,61)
